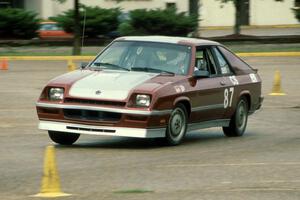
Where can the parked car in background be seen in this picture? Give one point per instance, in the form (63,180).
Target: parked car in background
(51,30)
(152,87)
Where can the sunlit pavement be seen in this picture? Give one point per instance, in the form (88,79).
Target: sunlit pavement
(263,164)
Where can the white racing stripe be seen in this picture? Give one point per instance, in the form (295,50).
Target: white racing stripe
(110,84)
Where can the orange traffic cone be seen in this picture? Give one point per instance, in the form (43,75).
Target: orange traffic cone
(276,90)
(4,64)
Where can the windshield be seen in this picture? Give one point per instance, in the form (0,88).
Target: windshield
(145,56)
(49,27)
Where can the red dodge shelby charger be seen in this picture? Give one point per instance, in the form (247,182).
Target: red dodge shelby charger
(152,87)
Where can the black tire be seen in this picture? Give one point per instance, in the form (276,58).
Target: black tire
(177,125)
(63,138)
(238,122)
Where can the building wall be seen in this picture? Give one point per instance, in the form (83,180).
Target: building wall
(262,12)
(270,12)
(58,8)
(33,5)
(51,8)
(47,8)
(182,5)
(212,12)
(216,13)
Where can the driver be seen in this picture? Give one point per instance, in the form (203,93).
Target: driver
(177,59)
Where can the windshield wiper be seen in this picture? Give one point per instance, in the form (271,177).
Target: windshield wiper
(166,72)
(140,69)
(98,64)
(151,69)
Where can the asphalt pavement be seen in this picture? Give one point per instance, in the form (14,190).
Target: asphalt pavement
(263,164)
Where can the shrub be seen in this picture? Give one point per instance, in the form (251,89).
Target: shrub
(159,22)
(125,28)
(297,13)
(99,21)
(18,23)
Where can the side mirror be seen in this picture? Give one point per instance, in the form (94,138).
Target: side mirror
(201,74)
(83,65)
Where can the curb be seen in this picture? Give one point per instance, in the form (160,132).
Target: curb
(50,58)
(269,54)
(78,58)
(206,28)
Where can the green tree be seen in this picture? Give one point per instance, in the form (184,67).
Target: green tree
(98,21)
(194,11)
(18,23)
(158,22)
(238,13)
(76,44)
(297,13)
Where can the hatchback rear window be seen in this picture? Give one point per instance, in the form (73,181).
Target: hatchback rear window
(237,64)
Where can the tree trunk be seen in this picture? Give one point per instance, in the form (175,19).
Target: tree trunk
(237,26)
(76,45)
(194,11)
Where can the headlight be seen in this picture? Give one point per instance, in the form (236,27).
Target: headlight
(143,100)
(56,94)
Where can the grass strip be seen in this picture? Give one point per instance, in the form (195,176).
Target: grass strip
(133,191)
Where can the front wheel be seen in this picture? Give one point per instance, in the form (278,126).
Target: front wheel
(238,122)
(63,138)
(177,125)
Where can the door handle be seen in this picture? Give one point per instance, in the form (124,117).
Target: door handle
(222,83)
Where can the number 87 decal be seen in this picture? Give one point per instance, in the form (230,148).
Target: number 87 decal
(228,94)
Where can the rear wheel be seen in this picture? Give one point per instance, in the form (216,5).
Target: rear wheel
(63,138)
(177,125)
(238,122)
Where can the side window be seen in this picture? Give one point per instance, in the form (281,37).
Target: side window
(200,62)
(211,63)
(171,5)
(224,67)
(205,61)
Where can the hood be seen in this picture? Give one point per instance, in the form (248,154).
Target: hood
(158,82)
(108,85)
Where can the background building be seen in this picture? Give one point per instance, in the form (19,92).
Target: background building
(212,12)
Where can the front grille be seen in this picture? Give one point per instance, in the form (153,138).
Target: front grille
(91,115)
(95,102)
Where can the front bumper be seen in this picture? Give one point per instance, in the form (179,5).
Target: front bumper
(93,115)
(106,109)
(102,130)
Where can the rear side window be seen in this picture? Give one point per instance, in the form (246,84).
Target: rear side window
(237,64)
(224,67)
